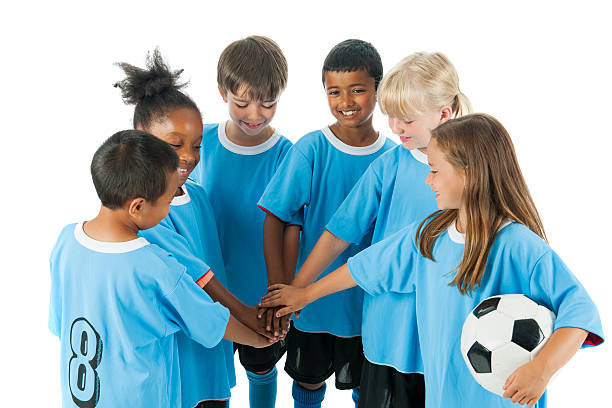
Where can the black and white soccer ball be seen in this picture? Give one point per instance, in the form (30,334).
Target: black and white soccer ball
(501,334)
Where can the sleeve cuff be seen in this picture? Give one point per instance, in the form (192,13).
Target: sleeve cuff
(271,213)
(204,279)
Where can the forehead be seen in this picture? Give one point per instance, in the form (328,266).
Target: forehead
(348,78)
(183,121)
(245,94)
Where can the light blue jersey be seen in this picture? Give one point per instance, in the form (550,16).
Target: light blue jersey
(234,178)
(390,195)
(189,232)
(314,179)
(116,307)
(519,262)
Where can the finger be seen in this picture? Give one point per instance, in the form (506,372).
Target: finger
(297,314)
(275,325)
(272,295)
(276,286)
(284,311)
(509,381)
(269,316)
(519,395)
(272,303)
(261,311)
(510,392)
(532,402)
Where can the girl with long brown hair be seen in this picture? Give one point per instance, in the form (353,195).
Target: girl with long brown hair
(486,239)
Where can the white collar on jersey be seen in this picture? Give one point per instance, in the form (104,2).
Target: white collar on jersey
(420,156)
(246,150)
(182,199)
(354,150)
(459,237)
(107,247)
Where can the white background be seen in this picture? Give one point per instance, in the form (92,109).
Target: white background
(542,68)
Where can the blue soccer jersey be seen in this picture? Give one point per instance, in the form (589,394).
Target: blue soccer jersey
(235,177)
(189,232)
(390,195)
(314,179)
(519,262)
(116,308)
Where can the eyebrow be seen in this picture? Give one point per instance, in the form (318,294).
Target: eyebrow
(351,85)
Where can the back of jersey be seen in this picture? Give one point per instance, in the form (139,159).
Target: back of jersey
(107,308)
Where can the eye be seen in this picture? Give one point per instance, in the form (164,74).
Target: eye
(407,122)
(241,106)
(333,93)
(198,147)
(268,105)
(175,146)
(359,90)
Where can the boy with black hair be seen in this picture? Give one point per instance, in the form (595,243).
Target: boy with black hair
(313,180)
(237,160)
(116,300)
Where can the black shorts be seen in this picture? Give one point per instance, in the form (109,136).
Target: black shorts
(385,387)
(212,404)
(257,360)
(313,357)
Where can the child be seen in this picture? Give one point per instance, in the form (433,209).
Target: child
(190,231)
(238,158)
(487,239)
(116,300)
(314,179)
(418,94)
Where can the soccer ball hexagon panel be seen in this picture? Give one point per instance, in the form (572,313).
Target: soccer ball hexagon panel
(501,334)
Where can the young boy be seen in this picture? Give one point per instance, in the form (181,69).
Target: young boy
(116,300)
(238,158)
(318,173)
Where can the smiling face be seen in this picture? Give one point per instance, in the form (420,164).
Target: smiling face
(181,129)
(447,182)
(351,97)
(415,132)
(250,118)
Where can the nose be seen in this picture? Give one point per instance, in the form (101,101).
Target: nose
(428,179)
(254,111)
(186,155)
(346,99)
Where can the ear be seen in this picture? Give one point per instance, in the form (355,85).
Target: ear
(446,113)
(136,207)
(222,94)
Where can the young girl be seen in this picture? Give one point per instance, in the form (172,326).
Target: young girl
(189,231)
(487,239)
(418,94)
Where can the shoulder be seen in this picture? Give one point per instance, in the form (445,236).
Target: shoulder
(160,266)
(65,236)
(389,145)
(518,242)
(210,129)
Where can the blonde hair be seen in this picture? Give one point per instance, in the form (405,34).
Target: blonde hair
(419,84)
(254,64)
(495,191)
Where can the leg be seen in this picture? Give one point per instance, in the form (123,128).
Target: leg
(261,372)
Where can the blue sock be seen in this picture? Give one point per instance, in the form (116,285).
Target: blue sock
(356,396)
(262,389)
(303,398)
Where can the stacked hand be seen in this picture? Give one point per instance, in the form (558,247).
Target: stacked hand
(285,299)
(276,320)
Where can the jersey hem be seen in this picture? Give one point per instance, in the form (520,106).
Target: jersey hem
(272,214)
(392,366)
(204,279)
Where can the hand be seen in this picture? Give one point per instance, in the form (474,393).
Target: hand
(526,384)
(292,299)
(250,318)
(261,341)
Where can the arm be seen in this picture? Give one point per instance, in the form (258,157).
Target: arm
(247,315)
(527,384)
(291,249)
(274,244)
(326,250)
(239,333)
(295,298)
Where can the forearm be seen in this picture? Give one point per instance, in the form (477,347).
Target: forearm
(273,242)
(560,348)
(291,249)
(239,333)
(219,293)
(325,251)
(338,280)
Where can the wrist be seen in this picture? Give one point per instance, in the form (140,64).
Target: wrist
(542,367)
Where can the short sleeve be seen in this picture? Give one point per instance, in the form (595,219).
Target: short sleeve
(187,307)
(54,304)
(357,214)
(387,266)
(289,189)
(177,245)
(553,285)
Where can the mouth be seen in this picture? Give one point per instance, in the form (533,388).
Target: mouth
(405,139)
(348,114)
(253,126)
(184,171)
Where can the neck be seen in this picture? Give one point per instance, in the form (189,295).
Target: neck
(461,220)
(360,136)
(237,136)
(111,226)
